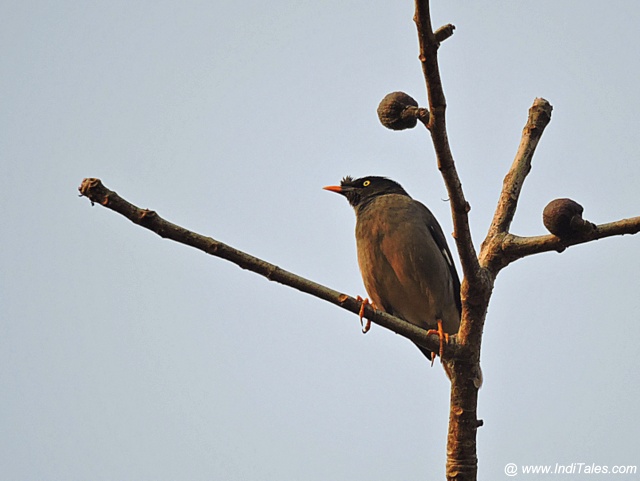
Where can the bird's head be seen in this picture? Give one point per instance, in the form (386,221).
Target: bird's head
(361,191)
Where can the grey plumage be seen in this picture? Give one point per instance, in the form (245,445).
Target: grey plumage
(406,265)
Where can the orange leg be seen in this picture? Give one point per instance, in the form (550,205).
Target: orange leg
(444,337)
(366,323)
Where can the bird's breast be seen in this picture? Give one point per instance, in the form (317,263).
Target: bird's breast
(402,268)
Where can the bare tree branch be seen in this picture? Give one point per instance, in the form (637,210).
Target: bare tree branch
(500,248)
(515,247)
(437,126)
(491,255)
(497,251)
(539,118)
(465,375)
(96,191)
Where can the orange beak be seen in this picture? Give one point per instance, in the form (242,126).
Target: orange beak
(333,188)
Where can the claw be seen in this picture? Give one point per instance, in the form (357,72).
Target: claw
(365,323)
(444,337)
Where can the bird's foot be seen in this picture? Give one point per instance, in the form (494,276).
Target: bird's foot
(365,323)
(444,338)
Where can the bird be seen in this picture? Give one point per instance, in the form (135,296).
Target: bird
(404,259)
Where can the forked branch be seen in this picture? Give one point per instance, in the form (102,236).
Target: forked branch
(498,249)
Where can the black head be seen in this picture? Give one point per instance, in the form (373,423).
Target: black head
(361,191)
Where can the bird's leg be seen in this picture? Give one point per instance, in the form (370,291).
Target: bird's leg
(444,337)
(366,323)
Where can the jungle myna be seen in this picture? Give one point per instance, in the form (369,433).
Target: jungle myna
(406,265)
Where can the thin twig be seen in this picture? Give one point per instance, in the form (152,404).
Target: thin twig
(437,126)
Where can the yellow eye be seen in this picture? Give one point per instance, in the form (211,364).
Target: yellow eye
(366,183)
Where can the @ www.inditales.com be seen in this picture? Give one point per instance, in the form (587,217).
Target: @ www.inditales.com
(513,469)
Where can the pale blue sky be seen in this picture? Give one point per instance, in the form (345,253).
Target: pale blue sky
(125,356)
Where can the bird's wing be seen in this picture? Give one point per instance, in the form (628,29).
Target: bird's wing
(441,242)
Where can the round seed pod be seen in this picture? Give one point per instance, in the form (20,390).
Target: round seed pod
(398,111)
(563,218)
